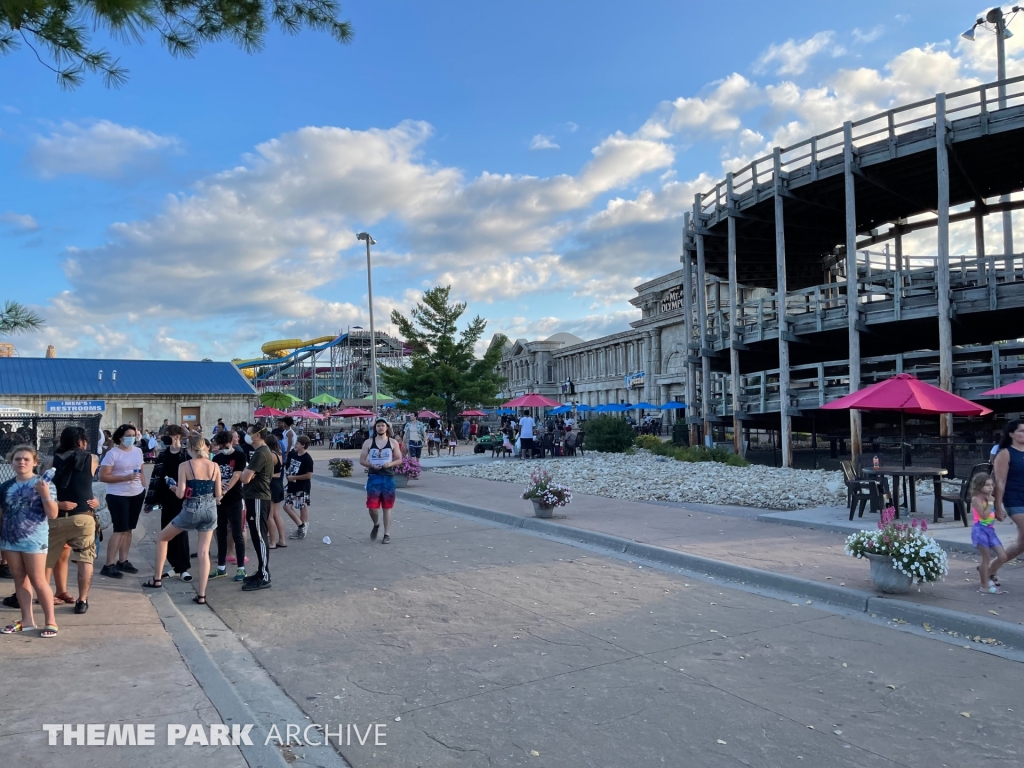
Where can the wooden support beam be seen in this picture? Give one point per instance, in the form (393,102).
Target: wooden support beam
(688,327)
(850,187)
(786,436)
(942,265)
(877,182)
(702,321)
(734,353)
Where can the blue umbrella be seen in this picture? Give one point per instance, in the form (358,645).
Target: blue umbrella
(645,405)
(606,408)
(583,408)
(674,405)
(561,409)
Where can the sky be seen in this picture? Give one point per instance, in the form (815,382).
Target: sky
(536,156)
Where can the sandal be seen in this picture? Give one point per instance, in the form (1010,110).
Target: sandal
(153,584)
(50,630)
(62,598)
(993,579)
(14,628)
(199,599)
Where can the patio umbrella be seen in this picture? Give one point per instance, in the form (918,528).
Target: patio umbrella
(607,408)
(646,406)
(303,413)
(561,409)
(472,413)
(265,412)
(582,408)
(351,412)
(1017,388)
(325,399)
(532,401)
(673,405)
(428,415)
(278,399)
(906,394)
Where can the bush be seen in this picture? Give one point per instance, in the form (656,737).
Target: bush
(650,442)
(340,467)
(609,434)
(702,453)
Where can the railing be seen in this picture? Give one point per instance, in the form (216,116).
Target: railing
(883,130)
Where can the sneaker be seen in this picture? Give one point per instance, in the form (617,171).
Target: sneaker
(239,574)
(127,567)
(305,530)
(298,534)
(218,573)
(5,572)
(12,601)
(81,606)
(111,571)
(386,539)
(373,533)
(186,576)
(255,584)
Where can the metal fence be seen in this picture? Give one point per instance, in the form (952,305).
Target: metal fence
(43,432)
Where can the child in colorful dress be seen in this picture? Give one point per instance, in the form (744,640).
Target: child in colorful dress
(983,532)
(27,504)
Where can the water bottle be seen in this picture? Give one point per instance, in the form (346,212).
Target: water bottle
(875,463)
(171,482)
(49,474)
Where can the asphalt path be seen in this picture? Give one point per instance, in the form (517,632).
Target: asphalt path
(478,645)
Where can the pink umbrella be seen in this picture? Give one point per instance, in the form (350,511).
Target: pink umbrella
(531,401)
(428,415)
(346,412)
(302,413)
(264,412)
(1017,388)
(472,413)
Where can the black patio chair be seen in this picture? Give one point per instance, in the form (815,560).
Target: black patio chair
(962,499)
(860,493)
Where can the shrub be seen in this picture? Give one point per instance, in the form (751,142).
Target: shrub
(409,467)
(609,434)
(912,550)
(650,442)
(545,492)
(699,453)
(340,467)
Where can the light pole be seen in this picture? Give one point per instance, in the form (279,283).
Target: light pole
(999,21)
(373,337)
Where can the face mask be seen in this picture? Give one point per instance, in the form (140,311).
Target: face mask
(227,451)
(127,442)
(248,439)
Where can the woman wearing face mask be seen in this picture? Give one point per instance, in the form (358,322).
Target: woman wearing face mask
(160,494)
(121,470)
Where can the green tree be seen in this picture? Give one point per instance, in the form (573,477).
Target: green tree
(443,374)
(14,318)
(58,32)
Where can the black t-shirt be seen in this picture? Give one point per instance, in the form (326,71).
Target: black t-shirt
(74,478)
(299,465)
(229,464)
(262,464)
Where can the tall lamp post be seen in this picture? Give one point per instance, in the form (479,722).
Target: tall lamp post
(998,20)
(365,236)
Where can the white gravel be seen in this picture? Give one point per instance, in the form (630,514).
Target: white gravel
(647,477)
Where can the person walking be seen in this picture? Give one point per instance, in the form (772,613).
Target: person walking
(526,428)
(256,494)
(1008,469)
(160,494)
(983,532)
(121,470)
(74,529)
(231,461)
(198,484)
(414,436)
(380,455)
(299,474)
(27,503)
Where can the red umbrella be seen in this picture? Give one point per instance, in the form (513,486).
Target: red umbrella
(472,413)
(353,412)
(1017,388)
(302,413)
(531,401)
(264,412)
(428,415)
(906,394)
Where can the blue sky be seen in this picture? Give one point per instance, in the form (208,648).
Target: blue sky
(537,156)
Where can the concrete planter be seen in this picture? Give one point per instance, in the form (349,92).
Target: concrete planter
(540,511)
(886,577)
(401,481)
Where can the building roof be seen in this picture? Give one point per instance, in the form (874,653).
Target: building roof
(81,376)
(567,339)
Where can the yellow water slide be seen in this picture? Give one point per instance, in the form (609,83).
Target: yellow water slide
(282,347)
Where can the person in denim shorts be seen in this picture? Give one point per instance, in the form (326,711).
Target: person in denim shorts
(381,454)
(199,485)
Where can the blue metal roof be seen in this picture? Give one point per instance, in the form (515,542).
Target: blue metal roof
(80,376)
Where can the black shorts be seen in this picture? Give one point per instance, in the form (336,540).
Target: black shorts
(125,511)
(276,490)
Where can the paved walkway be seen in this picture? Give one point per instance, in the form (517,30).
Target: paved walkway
(734,535)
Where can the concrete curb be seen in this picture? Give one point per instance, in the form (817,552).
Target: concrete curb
(955,546)
(940,619)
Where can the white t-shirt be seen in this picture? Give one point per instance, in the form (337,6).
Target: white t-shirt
(123,462)
(526,427)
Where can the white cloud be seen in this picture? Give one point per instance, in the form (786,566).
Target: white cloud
(793,58)
(10,110)
(540,141)
(870,35)
(571,127)
(100,148)
(19,221)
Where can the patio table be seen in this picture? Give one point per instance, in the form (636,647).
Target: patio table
(912,474)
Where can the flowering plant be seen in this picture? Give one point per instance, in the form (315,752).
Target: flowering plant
(409,467)
(340,467)
(545,492)
(913,552)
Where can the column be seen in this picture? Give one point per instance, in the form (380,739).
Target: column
(852,284)
(688,327)
(786,421)
(702,319)
(734,354)
(668,417)
(942,267)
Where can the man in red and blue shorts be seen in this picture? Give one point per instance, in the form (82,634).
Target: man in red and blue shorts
(380,455)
